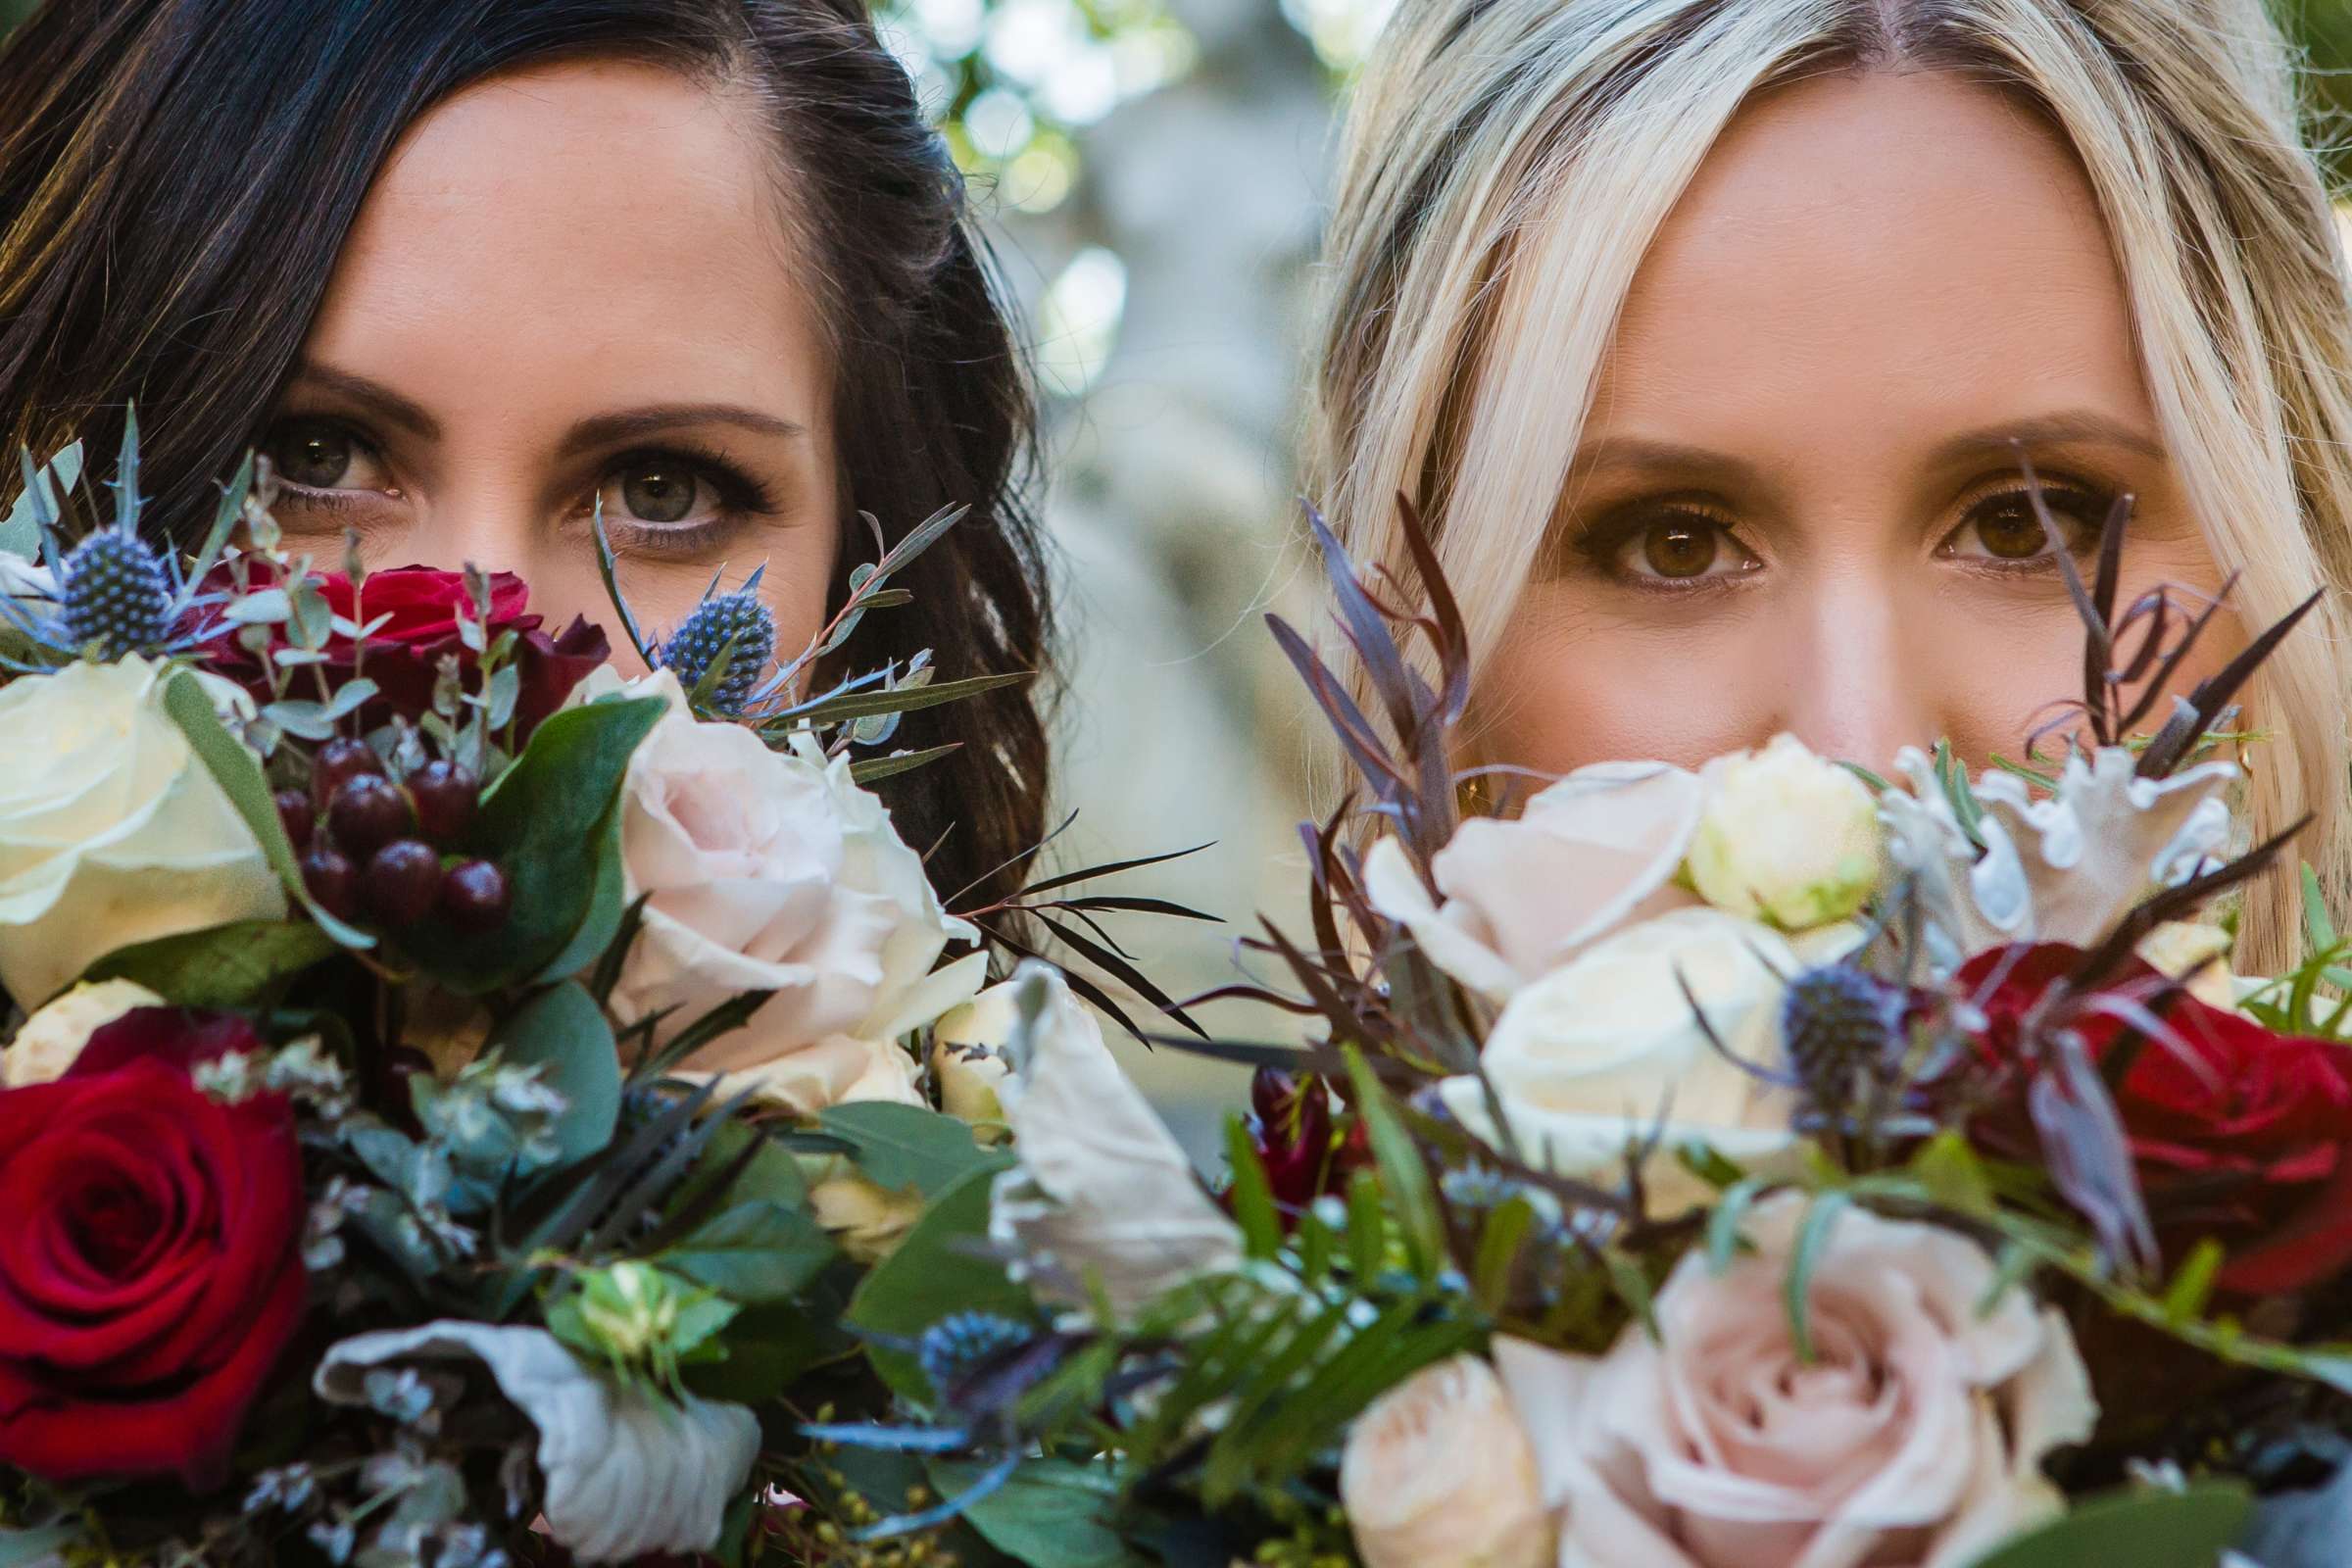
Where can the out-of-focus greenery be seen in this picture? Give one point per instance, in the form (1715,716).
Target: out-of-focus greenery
(2323,27)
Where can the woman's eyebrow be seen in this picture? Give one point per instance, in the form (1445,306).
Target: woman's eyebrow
(377,398)
(629,424)
(2070,427)
(1646,456)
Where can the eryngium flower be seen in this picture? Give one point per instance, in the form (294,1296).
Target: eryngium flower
(736,625)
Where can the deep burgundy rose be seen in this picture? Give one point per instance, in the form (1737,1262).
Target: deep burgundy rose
(404,655)
(1294,1130)
(150,1261)
(2245,1136)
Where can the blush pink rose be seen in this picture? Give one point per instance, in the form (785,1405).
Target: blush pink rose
(1590,854)
(771,870)
(1913,1438)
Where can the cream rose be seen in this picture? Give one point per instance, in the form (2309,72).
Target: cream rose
(1593,1056)
(1787,836)
(1439,1473)
(112,832)
(766,870)
(1587,854)
(1911,1437)
(46,1046)
(968,1060)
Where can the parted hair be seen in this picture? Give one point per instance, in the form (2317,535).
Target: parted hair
(1506,164)
(178,176)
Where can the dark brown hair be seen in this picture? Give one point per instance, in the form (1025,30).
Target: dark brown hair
(177,178)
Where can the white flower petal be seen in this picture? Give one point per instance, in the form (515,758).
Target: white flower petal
(627,1474)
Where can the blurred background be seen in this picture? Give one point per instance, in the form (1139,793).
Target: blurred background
(1154,174)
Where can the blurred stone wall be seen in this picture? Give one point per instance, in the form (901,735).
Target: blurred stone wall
(1171,502)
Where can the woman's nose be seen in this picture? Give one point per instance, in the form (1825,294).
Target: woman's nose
(482,525)
(1852,685)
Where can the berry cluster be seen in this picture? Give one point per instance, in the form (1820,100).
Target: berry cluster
(368,844)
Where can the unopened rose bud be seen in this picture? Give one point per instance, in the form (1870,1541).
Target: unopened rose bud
(969,1061)
(1785,836)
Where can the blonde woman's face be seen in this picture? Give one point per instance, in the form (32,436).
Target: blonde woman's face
(1794,506)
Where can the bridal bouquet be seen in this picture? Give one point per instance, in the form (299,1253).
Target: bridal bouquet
(1767,1166)
(452,1096)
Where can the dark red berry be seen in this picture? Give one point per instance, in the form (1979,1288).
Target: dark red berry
(445,795)
(296,815)
(338,761)
(474,896)
(367,814)
(331,879)
(402,882)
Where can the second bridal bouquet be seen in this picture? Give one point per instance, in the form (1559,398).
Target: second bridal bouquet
(1767,1165)
(452,1097)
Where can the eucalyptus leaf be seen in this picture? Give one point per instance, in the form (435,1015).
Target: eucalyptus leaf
(534,823)
(900,1147)
(222,966)
(238,772)
(754,1253)
(1051,1514)
(2147,1529)
(25,1548)
(939,1268)
(21,530)
(564,1033)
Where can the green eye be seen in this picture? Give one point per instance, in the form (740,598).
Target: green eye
(659,492)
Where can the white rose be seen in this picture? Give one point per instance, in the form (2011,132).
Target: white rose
(1588,1059)
(1590,854)
(112,832)
(1439,1473)
(968,1060)
(1911,1435)
(867,1219)
(768,870)
(54,1036)
(1787,837)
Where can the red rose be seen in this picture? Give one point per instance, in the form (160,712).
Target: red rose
(150,1257)
(1292,1129)
(404,655)
(2246,1136)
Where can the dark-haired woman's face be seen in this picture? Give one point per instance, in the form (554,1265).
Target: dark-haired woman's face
(568,285)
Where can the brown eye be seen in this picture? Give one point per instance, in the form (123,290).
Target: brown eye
(317,456)
(659,491)
(2010,531)
(1681,549)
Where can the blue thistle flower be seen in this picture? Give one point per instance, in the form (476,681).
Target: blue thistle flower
(1839,1022)
(690,651)
(953,1347)
(116,593)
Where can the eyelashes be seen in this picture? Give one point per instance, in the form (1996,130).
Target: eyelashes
(1680,544)
(675,498)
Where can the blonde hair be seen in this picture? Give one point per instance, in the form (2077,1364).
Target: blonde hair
(1509,161)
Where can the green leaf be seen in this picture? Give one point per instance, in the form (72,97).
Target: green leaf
(1723,1240)
(222,966)
(608,900)
(1950,1171)
(899,1147)
(2184,1298)
(1812,1239)
(2315,911)
(1051,1514)
(1402,1175)
(1252,1196)
(2146,1529)
(875,768)
(1498,1244)
(534,823)
(899,699)
(563,1032)
(755,1252)
(934,1272)
(238,772)
(21,1548)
